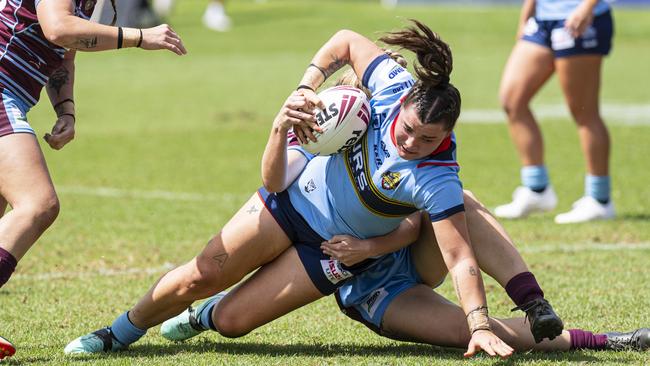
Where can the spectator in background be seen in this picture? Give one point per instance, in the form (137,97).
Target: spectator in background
(570,38)
(214,17)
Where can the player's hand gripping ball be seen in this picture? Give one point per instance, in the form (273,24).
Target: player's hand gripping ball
(344,120)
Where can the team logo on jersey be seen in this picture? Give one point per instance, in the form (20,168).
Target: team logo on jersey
(390,180)
(310,186)
(333,270)
(371,303)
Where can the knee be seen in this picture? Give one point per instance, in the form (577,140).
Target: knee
(512,106)
(230,321)
(199,279)
(42,211)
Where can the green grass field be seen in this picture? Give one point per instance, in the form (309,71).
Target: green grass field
(168,147)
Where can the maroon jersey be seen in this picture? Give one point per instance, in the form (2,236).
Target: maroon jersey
(27,58)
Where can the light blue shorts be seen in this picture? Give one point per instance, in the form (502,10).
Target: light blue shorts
(366,296)
(13,115)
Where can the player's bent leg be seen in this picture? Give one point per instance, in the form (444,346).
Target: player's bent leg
(250,239)
(529,66)
(26,186)
(282,286)
(580,80)
(421,315)
(6,348)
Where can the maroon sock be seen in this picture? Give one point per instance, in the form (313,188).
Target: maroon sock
(582,339)
(523,288)
(7,265)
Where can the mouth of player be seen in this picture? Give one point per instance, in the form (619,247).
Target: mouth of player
(405,150)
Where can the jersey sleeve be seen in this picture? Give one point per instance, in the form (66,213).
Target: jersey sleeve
(439,191)
(386,79)
(294,144)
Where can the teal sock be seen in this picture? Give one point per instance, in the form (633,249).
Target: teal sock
(535,177)
(124,331)
(598,187)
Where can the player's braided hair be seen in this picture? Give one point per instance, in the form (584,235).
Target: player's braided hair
(436,100)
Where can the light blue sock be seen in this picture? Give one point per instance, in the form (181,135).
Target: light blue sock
(535,177)
(598,187)
(205,317)
(124,331)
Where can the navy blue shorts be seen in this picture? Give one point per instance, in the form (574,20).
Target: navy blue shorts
(596,40)
(327,274)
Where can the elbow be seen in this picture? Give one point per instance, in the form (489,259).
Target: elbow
(58,33)
(272,187)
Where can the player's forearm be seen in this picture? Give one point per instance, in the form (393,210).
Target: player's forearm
(78,34)
(404,235)
(274,161)
(471,292)
(60,86)
(333,55)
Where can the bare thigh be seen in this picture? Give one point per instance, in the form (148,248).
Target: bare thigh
(529,66)
(579,78)
(276,289)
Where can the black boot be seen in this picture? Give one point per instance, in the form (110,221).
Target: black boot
(638,340)
(544,323)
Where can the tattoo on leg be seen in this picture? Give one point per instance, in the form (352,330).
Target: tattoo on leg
(252,210)
(221,259)
(472,271)
(335,65)
(58,79)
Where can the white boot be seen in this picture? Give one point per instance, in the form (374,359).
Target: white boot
(587,209)
(526,201)
(215,18)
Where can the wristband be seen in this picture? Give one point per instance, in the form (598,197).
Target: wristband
(478,319)
(63,101)
(303,86)
(120,37)
(322,71)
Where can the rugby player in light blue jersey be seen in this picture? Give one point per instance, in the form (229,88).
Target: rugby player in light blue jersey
(404,164)
(568,38)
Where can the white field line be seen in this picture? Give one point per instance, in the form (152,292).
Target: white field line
(614,114)
(103,272)
(152,195)
(107,272)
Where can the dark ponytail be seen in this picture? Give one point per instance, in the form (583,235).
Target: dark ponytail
(436,100)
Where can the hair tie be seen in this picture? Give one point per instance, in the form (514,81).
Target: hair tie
(444,81)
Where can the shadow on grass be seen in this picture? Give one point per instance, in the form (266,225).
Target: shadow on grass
(634,217)
(326,351)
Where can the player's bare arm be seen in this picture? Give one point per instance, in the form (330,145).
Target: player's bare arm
(453,239)
(61,27)
(60,90)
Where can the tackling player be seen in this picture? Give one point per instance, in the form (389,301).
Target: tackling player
(406,162)
(39,39)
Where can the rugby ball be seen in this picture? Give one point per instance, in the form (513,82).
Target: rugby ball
(343,121)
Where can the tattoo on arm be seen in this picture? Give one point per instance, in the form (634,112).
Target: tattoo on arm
(221,259)
(58,79)
(472,271)
(83,43)
(335,65)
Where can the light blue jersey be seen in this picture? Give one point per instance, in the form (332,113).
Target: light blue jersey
(368,190)
(561,9)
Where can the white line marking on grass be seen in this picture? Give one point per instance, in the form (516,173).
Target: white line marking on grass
(152,195)
(104,272)
(614,114)
(578,247)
